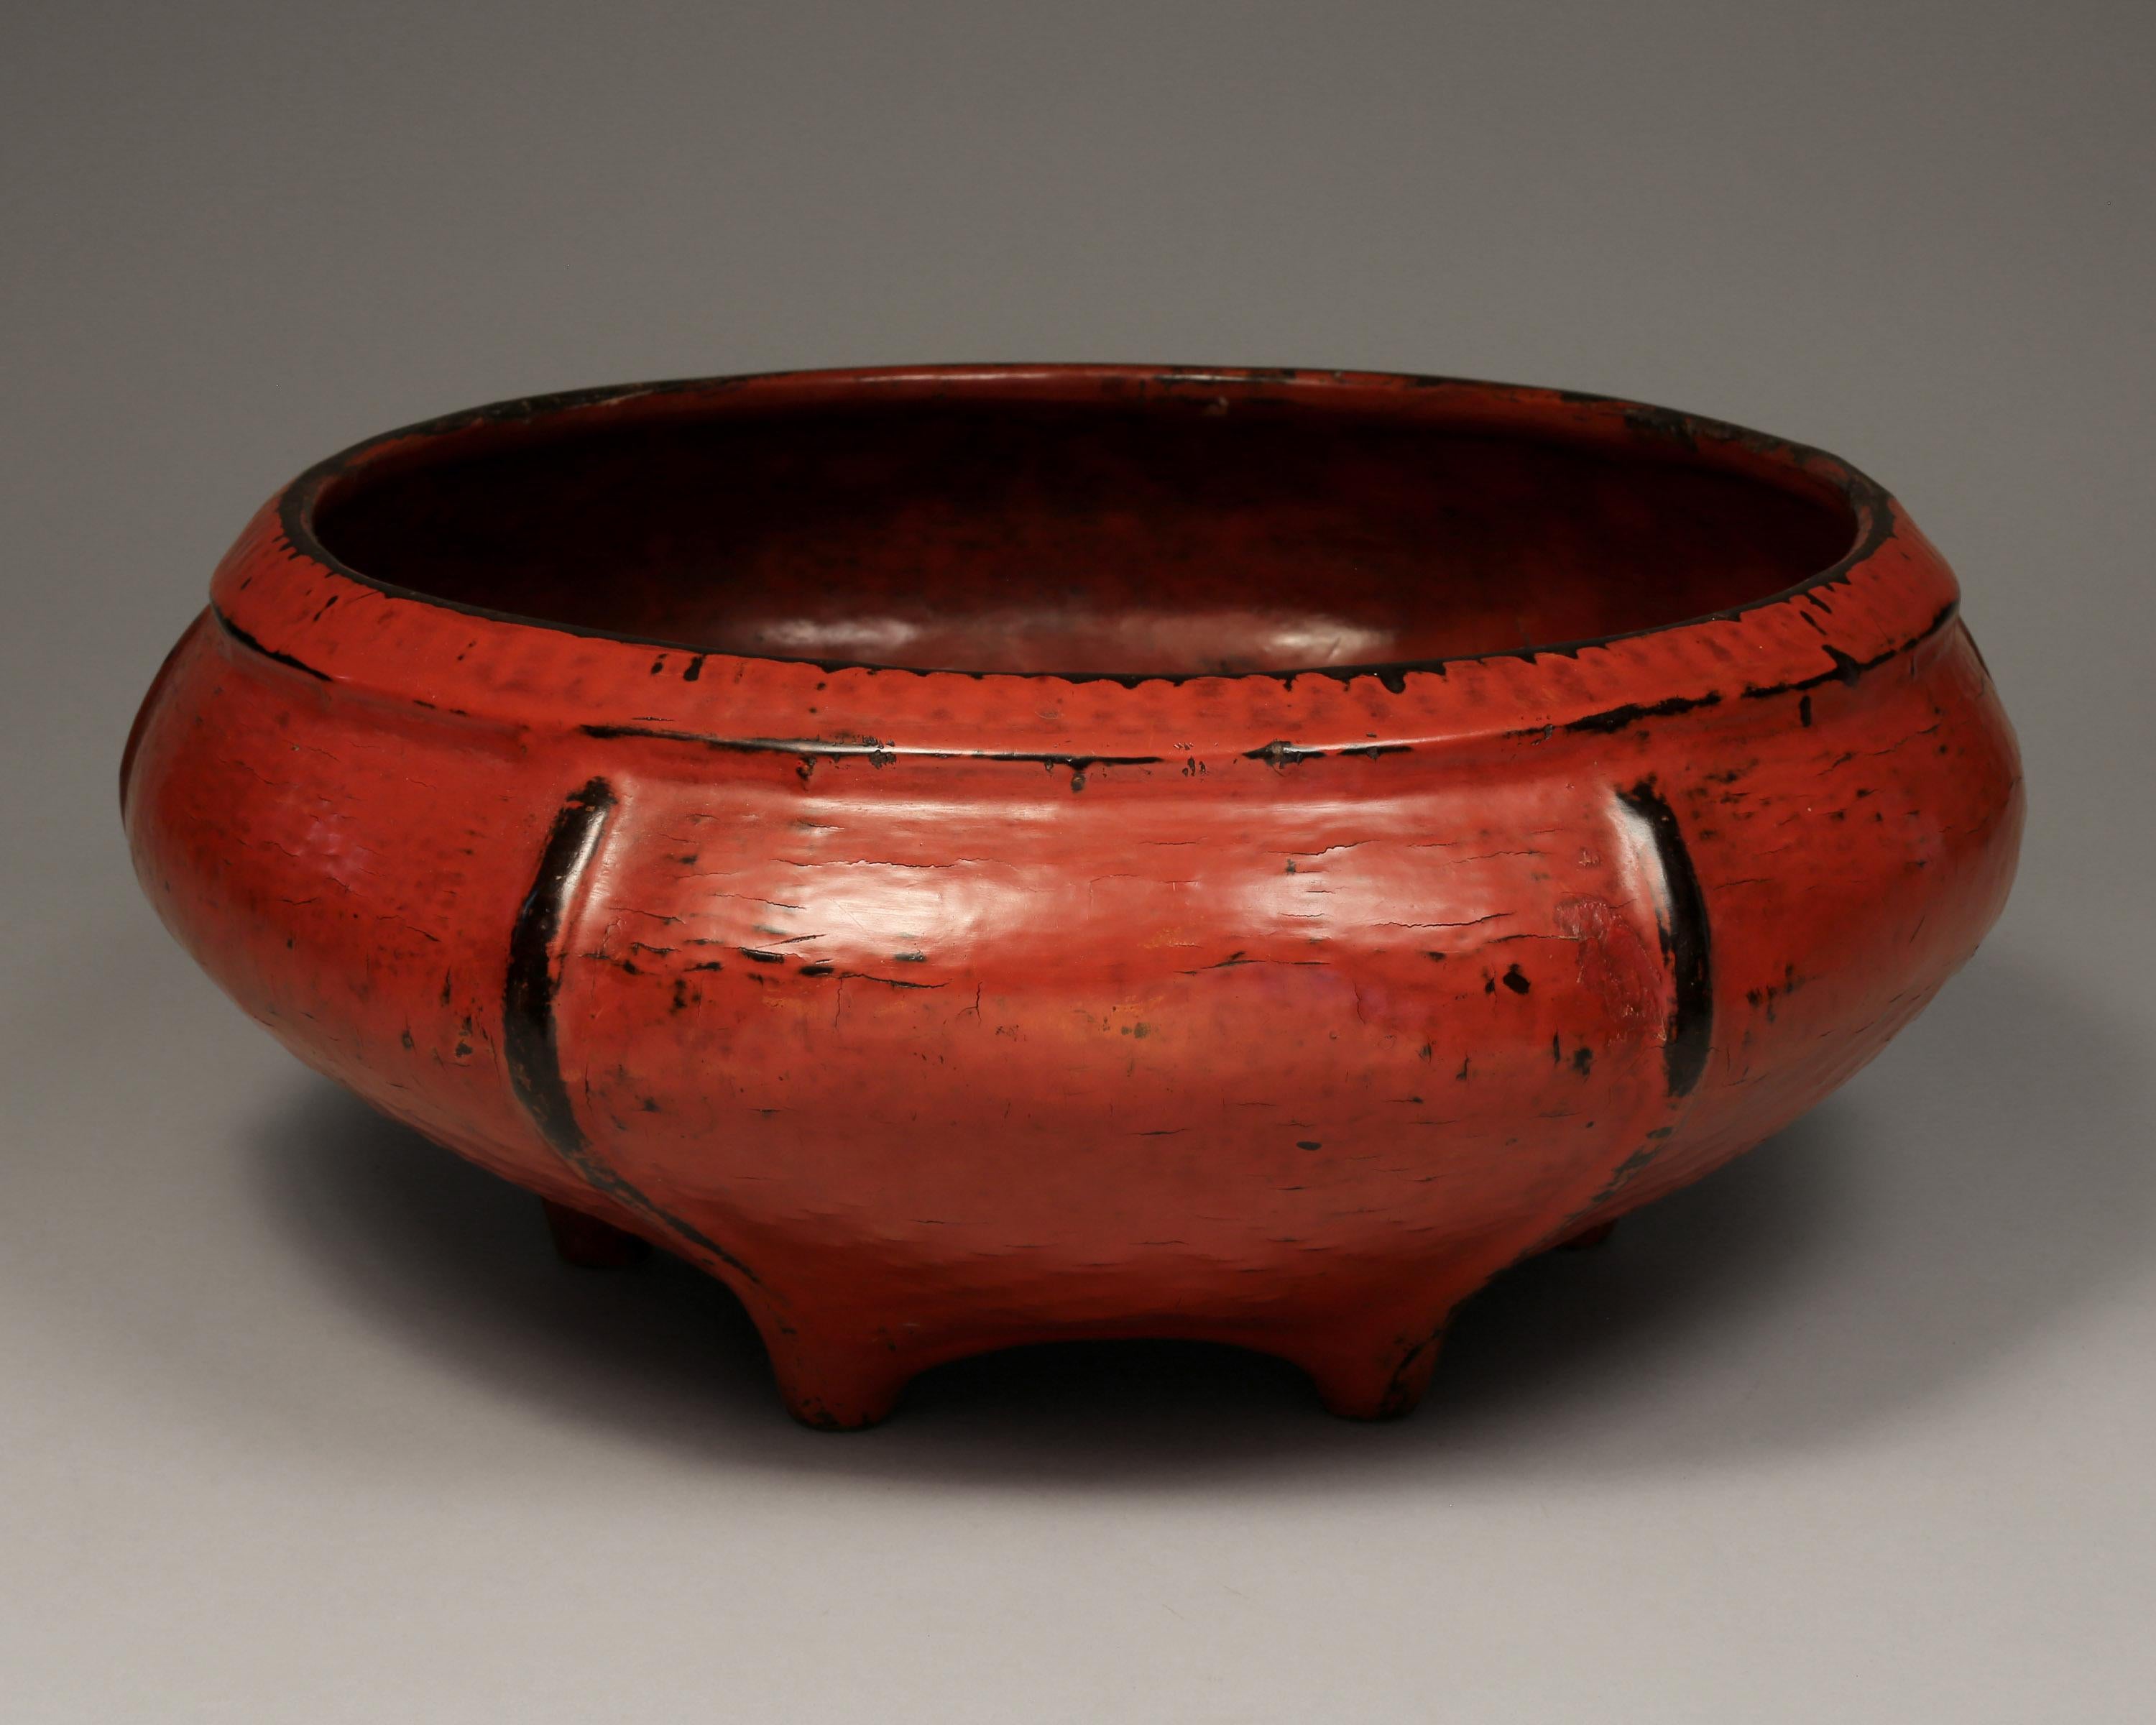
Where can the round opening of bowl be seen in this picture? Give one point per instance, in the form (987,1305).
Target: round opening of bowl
(1188,536)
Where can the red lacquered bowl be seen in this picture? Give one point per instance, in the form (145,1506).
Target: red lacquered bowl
(978,855)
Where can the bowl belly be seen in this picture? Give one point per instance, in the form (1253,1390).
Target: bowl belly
(1134,1056)
(347,870)
(1855,839)
(924,1053)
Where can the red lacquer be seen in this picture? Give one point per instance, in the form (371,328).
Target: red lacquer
(979,856)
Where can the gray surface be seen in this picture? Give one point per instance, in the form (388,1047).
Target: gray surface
(299,1421)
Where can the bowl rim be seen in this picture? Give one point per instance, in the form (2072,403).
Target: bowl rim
(1869,504)
(1905,593)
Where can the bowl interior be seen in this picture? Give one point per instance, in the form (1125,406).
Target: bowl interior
(1103,537)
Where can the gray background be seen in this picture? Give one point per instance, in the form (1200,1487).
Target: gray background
(301,1421)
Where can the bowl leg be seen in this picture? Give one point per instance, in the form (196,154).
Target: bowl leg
(831,1384)
(1370,1374)
(588,1242)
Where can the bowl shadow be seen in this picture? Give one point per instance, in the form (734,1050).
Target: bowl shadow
(1952,1205)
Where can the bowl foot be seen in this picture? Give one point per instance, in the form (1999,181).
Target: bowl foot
(588,1242)
(842,1383)
(834,1388)
(1381,1377)
(1589,1238)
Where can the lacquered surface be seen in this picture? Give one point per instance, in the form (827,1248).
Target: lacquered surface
(936,1012)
